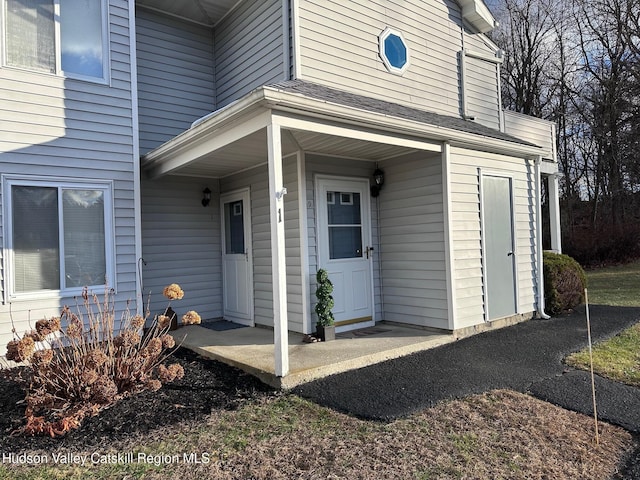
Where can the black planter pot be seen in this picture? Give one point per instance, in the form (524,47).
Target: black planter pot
(326,333)
(173,317)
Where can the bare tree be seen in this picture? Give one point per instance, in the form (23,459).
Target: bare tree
(524,35)
(607,61)
(577,63)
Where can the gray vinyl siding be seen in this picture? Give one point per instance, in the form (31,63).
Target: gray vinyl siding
(317,164)
(175,76)
(181,244)
(535,130)
(249,49)
(56,127)
(412,247)
(339,48)
(466,230)
(481,91)
(257,180)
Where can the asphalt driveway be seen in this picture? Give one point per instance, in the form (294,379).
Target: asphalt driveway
(526,357)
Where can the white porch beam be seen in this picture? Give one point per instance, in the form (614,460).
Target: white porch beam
(317,126)
(278,262)
(554,213)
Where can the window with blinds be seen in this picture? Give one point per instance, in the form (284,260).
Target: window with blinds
(59,236)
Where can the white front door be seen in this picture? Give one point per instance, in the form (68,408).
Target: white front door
(344,247)
(237,261)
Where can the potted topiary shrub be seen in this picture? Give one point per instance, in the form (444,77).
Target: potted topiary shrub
(325,328)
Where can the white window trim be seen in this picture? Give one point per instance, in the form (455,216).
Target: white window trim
(106,50)
(383,55)
(9,181)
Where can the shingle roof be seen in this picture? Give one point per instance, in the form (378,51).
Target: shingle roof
(374,105)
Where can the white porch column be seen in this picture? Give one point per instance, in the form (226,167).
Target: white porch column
(554,213)
(278,263)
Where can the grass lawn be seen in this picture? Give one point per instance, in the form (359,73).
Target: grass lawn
(498,435)
(619,357)
(618,285)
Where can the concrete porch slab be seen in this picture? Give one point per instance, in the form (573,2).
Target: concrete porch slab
(251,350)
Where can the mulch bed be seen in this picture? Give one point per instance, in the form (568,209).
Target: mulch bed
(207,385)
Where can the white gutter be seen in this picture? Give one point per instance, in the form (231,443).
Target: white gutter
(539,256)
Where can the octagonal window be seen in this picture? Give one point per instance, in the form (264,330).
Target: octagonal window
(393,51)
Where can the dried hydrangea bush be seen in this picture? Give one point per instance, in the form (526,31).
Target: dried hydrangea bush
(80,363)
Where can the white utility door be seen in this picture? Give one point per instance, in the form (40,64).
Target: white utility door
(499,246)
(237,270)
(344,247)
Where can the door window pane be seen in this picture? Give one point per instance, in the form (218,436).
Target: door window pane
(345,242)
(81,37)
(36,248)
(344,224)
(345,209)
(234,227)
(84,238)
(30,34)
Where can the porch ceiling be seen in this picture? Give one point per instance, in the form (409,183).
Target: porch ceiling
(251,151)
(207,12)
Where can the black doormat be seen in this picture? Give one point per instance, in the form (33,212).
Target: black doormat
(220,325)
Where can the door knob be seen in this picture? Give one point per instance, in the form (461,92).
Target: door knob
(510,253)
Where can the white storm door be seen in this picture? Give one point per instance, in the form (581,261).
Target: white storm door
(344,246)
(237,270)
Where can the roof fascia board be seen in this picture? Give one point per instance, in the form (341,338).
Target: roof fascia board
(478,15)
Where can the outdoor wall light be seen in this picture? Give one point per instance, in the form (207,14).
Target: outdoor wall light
(378,181)
(206,197)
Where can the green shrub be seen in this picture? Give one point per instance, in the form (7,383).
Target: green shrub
(564,283)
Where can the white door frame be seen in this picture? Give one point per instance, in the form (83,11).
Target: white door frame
(227,197)
(346,183)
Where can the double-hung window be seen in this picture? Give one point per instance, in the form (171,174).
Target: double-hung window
(66,37)
(59,236)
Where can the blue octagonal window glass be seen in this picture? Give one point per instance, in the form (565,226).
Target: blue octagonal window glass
(395,50)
